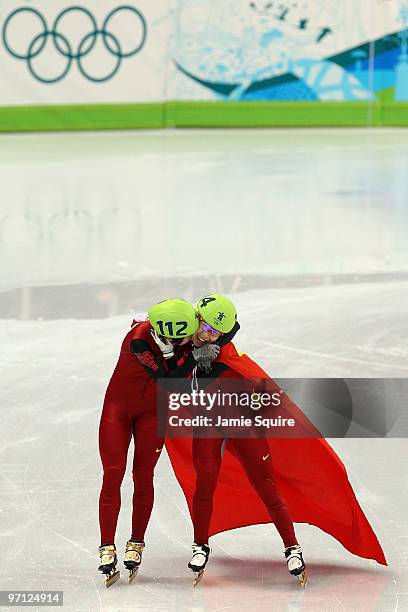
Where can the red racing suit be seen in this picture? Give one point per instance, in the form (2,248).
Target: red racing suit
(129,409)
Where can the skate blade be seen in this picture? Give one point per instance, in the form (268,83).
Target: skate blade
(132,575)
(197,577)
(303,579)
(111,579)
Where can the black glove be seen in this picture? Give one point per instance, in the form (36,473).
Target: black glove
(204,366)
(206,353)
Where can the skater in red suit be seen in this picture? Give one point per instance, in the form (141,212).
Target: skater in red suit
(217,317)
(149,352)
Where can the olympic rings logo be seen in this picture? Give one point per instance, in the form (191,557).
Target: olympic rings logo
(64,47)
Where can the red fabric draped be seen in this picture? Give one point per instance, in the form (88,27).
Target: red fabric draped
(310,476)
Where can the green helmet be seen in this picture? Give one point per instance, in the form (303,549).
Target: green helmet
(218,311)
(174,318)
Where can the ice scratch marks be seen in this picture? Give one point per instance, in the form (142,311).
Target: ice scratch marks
(323,355)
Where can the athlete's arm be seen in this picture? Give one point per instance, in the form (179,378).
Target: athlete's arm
(217,368)
(144,354)
(225,338)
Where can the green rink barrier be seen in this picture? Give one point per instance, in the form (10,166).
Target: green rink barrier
(81,117)
(275,114)
(395,114)
(186,114)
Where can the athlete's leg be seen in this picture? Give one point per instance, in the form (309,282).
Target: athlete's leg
(115,432)
(148,447)
(254,456)
(207,463)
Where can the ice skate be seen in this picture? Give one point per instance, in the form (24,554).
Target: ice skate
(107,566)
(133,558)
(201,552)
(296,565)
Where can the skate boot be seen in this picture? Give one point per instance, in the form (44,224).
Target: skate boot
(296,565)
(201,552)
(133,558)
(108,561)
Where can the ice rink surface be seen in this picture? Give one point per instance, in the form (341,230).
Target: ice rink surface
(306,230)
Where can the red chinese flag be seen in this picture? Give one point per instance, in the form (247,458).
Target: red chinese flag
(310,476)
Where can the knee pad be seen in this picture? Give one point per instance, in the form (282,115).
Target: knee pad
(143,480)
(205,484)
(112,480)
(272,497)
